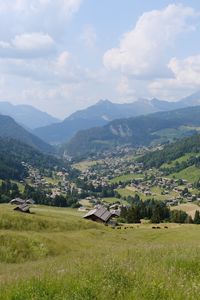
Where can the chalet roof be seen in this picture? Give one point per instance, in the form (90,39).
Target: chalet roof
(101,213)
(23,208)
(17,201)
(30,201)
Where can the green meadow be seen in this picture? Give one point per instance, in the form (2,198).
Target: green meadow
(191,174)
(127,177)
(54,253)
(156,193)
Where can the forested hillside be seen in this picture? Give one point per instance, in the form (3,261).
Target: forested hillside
(136,132)
(13,153)
(172,152)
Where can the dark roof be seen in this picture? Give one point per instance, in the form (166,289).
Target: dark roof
(101,213)
(17,201)
(30,201)
(23,208)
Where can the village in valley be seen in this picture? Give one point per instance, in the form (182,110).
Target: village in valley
(125,178)
(112,182)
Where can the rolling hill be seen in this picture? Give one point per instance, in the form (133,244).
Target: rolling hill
(27,115)
(55,254)
(173,152)
(10,129)
(138,131)
(180,160)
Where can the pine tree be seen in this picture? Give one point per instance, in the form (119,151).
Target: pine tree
(197,217)
(155,216)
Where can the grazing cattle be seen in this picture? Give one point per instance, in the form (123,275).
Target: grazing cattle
(153,227)
(158,227)
(166,227)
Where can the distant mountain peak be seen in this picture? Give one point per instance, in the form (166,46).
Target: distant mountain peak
(103,101)
(104,111)
(27,115)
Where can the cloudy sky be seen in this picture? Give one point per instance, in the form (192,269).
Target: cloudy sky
(64,55)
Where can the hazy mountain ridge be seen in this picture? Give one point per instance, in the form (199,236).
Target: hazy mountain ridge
(105,111)
(10,129)
(27,115)
(136,131)
(96,115)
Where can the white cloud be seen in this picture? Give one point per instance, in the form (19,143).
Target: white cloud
(89,36)
(28,45)
(49,16)
(143,52)
(186,78)
(39,63)
(32,41)
(68,7)
(186,71)
(51,71)
(124,87)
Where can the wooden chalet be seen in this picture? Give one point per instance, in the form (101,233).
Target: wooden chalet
(22,205)
(101,215)
(25,208)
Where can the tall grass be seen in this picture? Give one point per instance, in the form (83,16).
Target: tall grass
(138,263)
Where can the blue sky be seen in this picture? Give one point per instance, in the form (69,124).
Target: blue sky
(65,55)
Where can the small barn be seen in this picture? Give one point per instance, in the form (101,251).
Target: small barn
(101,215)
(25,208)
(22,205)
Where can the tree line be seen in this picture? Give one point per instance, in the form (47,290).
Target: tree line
(155,211)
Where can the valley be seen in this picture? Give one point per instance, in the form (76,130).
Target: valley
(55,253)
(144,172)
(99,150)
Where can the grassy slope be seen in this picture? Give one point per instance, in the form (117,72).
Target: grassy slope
(84,165)
(191,174)
(127,177)
(189,208)
(156,193)
(70,258)
(181,159)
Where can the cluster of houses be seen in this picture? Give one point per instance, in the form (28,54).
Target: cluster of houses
(167,186)
(61,185)
(108,168)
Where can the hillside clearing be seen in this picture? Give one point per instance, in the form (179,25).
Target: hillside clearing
(77,259)
(191,174)
(189,208)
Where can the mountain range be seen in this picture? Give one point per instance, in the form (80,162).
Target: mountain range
(104,125)
(27,115)
(137,131)
(105,111)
